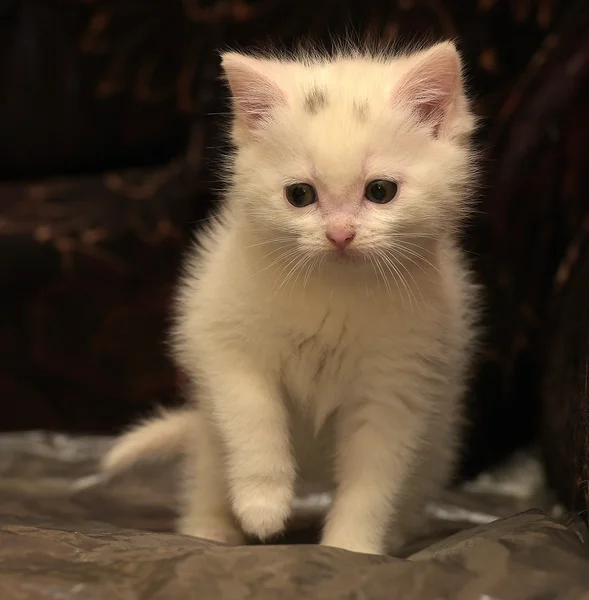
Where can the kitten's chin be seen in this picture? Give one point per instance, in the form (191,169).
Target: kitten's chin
(345,257)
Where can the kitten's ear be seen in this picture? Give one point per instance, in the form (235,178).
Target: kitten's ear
(432,87)
(255,94)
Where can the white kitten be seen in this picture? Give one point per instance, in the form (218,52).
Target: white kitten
(327,319)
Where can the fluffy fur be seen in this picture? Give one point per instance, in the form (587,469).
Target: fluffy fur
(342,366)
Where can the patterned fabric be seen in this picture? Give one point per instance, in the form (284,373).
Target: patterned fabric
(110,123)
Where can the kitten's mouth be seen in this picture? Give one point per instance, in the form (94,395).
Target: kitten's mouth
(346,256)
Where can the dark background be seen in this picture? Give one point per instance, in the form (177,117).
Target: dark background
(109,120)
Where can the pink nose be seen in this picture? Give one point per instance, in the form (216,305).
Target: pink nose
(340,238)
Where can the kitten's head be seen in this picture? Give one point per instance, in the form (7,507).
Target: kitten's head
(353,154)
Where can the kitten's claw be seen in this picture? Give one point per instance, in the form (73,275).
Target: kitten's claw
(264,513)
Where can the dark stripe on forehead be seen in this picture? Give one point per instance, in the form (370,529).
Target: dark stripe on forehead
(315,100)
(361,109)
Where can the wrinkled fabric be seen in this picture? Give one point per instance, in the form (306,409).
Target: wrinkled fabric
(112,541)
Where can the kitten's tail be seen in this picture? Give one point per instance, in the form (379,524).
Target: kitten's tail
(156,439)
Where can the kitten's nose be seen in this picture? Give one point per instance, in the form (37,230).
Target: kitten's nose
(340,238)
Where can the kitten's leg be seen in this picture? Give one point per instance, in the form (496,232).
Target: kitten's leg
(251,421)
(377,447)
(206,512)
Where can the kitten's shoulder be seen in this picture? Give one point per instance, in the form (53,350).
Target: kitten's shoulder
(207,242)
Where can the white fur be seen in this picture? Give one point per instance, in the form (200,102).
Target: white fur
(162,438)
(308,365)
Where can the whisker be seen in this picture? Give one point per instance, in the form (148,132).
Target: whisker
(417,255)
(410,289)
(320,267)
(372,263)
(413,245)
(305,261)
(401,264)
(401,253)
(282,257)
(295,269)
(417,234)
(297,258)
(386,280)
(289,248)
(394,271)
(310,269)
(197,221)
(270,241)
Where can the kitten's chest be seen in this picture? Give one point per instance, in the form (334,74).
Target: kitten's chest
(317,364)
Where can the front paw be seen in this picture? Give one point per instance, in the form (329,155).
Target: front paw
(211,528)
(263,509)
(353,535)
(353,544)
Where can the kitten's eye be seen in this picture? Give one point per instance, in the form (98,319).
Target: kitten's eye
(381,191)
(301,194)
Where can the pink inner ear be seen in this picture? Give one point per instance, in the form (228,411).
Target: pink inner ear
(254,93)
(431,85)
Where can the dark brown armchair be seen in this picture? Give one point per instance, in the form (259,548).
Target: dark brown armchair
(109,116)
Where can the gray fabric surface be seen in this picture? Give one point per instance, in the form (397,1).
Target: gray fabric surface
(111,541)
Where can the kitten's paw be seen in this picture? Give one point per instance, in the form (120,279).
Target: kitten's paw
(347,542)
(264,512)
(212,529)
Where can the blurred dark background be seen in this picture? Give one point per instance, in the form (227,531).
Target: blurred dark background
(109,120)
